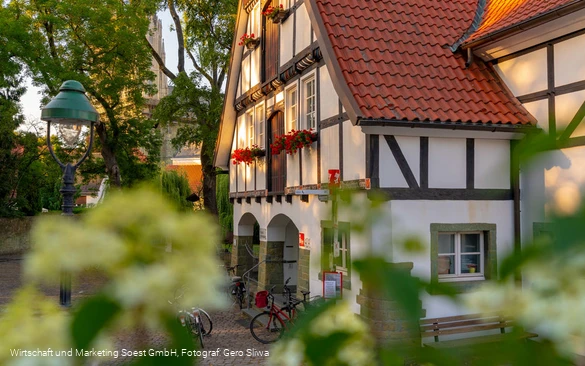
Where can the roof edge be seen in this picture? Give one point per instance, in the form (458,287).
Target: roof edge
(526,24)
(337,78)
(224,127)
(475,23)
(491,127)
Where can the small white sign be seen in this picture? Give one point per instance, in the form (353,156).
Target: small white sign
(320,192)
(262,234)
(307,243)
(329,291)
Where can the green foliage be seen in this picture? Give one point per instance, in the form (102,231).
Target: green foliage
(94,315)
(176,188)
(225,209)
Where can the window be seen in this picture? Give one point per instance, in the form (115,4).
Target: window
(336,257)
(309,104)
(460,255)
(463,253)
(260,126)
(250,123)
(254,20)
(291,109)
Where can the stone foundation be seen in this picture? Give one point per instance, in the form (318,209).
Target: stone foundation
(271,271)
(303,272)
(240,254)
(388,323)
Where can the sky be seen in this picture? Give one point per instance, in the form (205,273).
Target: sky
(31,101)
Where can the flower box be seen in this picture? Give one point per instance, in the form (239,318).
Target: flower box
(276,14)
(249,41)
(293,141)
(247,155)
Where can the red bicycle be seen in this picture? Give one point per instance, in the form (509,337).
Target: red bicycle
(268,326)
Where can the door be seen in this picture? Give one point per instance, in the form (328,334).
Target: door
(277,171)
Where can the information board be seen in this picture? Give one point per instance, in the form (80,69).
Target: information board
(332,285)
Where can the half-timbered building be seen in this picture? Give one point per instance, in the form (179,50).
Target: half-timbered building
(422,101)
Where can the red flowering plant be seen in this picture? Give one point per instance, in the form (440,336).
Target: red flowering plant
(246,38)
(293,141)
(247,155)
(272,11)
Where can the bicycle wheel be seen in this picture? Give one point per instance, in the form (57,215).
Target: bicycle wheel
(206,323)
(200,332)
(266,328)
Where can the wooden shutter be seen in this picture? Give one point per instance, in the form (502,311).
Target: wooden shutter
(270,46)
(277,171)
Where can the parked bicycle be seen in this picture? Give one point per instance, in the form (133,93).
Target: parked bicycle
(236,289)
(268,326)
(197,321)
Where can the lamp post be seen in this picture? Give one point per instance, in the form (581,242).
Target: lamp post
(70,107)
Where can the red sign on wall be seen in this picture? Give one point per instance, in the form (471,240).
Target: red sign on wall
(334,177)
(301,240)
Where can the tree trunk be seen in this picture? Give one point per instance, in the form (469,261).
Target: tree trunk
(112,168)
(209,194)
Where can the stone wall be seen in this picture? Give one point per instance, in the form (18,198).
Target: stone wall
(303,275)
(240,254)
(387,321)
(15,235)
(271,272)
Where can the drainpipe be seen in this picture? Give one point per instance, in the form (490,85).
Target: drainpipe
(515,177)
(469,58)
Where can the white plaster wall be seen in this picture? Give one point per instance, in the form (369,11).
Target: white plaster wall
(525,74)
(246,74)
(569,63)
(232,170)
(292,170)
(309,155)
(329,151)
(261,173)
(328,100)
(303,26)
(286,40)
(539,110)
(413,219)
(390,173)
(354,156)
(447,163)
(492,164)
(250,173)
(410,147)
(566,106)
(255,67)
(241,168)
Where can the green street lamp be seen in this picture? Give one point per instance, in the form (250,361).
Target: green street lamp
(71,108)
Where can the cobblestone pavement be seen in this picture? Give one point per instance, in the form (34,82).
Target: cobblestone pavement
(230,342)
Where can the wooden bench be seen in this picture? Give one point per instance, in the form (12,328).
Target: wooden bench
(471,323)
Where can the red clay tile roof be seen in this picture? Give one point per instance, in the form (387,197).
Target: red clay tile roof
(396,61)
(502,14)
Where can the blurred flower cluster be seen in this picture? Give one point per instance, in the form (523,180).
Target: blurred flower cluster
(345,335)
(143,247)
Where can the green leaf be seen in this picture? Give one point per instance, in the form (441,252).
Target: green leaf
(93,316)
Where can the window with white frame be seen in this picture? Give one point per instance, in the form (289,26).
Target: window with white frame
(260,126)
(336,256)
(254,21)
(460,255)
(250,125)
(309,104)
(291,108)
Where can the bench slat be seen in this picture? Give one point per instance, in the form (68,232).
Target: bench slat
(441,325)
(457,318)
(480,340)
(476,328)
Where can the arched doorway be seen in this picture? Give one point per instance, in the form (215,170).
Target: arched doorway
(279,255)
(246,246)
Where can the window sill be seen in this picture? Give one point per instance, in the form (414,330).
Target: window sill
(461,285)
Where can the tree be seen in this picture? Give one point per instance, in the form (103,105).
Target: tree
(205,36)
(100,45)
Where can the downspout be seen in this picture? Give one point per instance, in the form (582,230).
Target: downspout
(515,178)
(469,58)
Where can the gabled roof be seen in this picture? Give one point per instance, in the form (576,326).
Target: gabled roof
(394,60)
(501,15)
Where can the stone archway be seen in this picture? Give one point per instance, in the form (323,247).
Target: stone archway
(279,255)
(244,243)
